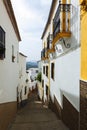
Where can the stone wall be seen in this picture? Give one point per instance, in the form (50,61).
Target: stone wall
(83,105)
(70,115)
(7,114)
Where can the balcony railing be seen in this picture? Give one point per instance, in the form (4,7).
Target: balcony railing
(43,53)
(57,22)
(49,41)
(65,7)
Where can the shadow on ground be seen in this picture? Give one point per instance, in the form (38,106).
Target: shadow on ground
(36,116)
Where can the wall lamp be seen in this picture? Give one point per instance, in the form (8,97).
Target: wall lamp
(67,45)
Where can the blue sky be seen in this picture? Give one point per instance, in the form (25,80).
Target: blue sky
(31,16)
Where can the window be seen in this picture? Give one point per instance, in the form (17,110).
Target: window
(36,71)
(42,83)
(47,71)
(2,43)
(46,90)
(52,70)
(25,91)
(43,69)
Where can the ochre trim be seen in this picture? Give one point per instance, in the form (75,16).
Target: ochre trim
(60,35)
(44,58)
(83,44)
(10,12)
(51,50)
(63,21)
(63,1)
(63,17)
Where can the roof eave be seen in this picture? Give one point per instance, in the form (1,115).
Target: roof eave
(49,17)
(10,12)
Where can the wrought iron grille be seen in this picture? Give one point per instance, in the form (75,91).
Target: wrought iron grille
(43,53)
(49,41)
(64,7)
(57,20)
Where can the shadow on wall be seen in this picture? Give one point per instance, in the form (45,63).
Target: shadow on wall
(72,98)
(70,114)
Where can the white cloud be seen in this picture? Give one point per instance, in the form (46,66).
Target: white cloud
(45,2)
(31,18)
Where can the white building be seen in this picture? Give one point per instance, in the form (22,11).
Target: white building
(39,83)
(32,75)
(39,66)
(23,87)
(61,60)
(9,73)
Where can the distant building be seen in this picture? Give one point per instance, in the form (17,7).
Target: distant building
(9,63)
(39,84)
(23,87)
(32,75)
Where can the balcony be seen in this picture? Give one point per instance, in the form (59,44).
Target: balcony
(49,43)
(44,54)
(61,22)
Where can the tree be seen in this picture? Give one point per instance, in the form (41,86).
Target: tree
(39,77)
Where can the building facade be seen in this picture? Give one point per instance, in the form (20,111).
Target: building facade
(23,87)
(61,61)
(9,73)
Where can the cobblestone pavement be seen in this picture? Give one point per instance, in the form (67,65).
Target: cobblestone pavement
(36,116)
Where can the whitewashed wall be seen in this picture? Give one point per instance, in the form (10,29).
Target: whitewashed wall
(67,75)
(67,63)
(22,77)
(46,80)
(40,90)
(32,74)
(8,70)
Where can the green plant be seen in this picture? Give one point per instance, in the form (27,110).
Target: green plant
(39,77)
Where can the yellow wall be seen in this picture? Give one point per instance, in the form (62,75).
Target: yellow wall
(83,45)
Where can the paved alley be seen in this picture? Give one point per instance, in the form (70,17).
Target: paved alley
(35,116)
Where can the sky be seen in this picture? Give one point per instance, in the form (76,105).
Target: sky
(31,17)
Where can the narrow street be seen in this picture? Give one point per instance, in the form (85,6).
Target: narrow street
(36,116)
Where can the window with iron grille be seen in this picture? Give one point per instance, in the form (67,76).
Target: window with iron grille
(43,69)
(46,90)
(25,91)
(2,43)
(52,70)
(47,71)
